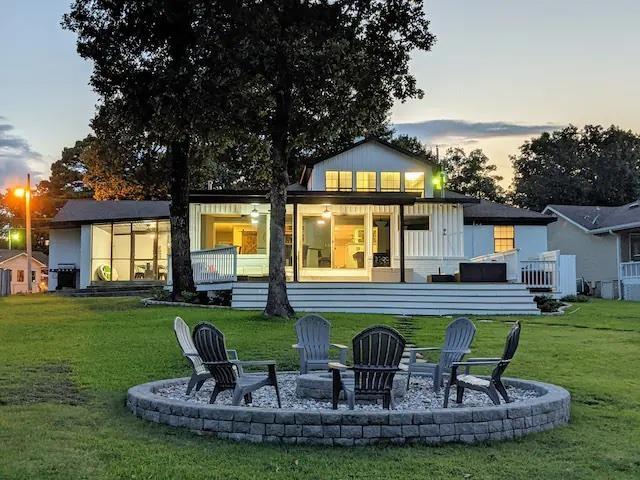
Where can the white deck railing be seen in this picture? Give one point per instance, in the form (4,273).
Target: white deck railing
(217,265)
(539,273)
(630,270)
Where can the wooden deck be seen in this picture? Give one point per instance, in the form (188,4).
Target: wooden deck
(395,298)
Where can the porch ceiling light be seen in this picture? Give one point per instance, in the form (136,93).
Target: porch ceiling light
(326,214)
(254,214)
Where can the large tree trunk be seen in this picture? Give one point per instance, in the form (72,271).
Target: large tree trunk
(277,299)
(182,274)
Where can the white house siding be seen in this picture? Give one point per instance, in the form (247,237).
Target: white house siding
(530,240)
(371,157)
(441,248)
(595,254)
(64,247)
(85,256)
(19,262)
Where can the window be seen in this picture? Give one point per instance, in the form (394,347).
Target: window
(504,238)
(33,276)
(365,181)
(416,223)
(414,182)
(247,234)
(634,244)
(338,181)
(390,181)
(20,276)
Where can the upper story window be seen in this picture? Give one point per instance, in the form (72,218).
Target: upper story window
(504,238)
(365,181)
(341,181)
(414,182)
(389,181)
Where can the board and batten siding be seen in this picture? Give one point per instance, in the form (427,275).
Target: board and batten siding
(370,157)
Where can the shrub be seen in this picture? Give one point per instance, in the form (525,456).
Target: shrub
(159,293)
(575,299)
(547,304)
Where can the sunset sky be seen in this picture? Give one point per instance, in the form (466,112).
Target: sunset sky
(501,72)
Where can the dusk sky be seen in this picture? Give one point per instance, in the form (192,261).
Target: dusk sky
(501,72)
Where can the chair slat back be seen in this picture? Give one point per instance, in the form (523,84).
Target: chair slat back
(510,347)
(183,335)
(377,352)
(313,334)
(209,342)
(458,337)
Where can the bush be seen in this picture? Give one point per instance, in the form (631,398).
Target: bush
(161,294)
(547,304)
(221,297)
(575,299)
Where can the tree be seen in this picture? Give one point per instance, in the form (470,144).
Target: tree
(149,71)
(324,73)
(472,174)
(592,166)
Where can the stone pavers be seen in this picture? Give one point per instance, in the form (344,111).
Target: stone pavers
(353,428)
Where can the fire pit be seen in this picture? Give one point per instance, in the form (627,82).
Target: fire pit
(318,386)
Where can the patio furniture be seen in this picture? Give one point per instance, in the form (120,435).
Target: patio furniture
(228,373)
(377,352)
(313,333)
(200,373)
(457,340)
(491,386)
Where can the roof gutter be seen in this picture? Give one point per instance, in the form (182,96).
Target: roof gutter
(615,228)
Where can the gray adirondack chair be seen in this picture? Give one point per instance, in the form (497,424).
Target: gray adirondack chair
(491,386)
(377,352)
(209,342)
(457,342)
(313,343)
(200,373)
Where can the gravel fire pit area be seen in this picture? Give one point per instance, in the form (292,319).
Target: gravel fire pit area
(417,418)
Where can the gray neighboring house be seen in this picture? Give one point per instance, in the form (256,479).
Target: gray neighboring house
(606,243)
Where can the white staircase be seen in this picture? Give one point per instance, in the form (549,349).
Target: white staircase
(395,298)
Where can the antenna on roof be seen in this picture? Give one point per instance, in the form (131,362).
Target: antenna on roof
(209,184)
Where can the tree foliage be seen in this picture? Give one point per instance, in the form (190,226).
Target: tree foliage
(473,174)
(589,166)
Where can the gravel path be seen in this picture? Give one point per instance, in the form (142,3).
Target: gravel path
(419,396)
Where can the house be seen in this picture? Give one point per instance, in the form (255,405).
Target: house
(606,243)
(342,239)
(16,261)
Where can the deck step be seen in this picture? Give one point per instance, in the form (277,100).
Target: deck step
(396,299)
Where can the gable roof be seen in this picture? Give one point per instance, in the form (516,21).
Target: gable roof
(494,213)
(78,212)
(599,219)
(6,254)
(306,172)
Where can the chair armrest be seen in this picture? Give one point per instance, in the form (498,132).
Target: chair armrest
(483,359)
(190,354)
(232,354)
(455,350)
(423,349)
(402,367)
(297,346)
(253,362)
(340,346)
(484,362)
(337,366)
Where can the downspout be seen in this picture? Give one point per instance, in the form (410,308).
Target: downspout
(618,246)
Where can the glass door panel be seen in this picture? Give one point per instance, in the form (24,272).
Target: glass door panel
(144,262)
(348,241)
(316,242)
(381,241)
(121,253)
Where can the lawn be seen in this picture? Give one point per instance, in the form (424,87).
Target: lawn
(65,366)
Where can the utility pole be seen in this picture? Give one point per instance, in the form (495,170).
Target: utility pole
(28,233)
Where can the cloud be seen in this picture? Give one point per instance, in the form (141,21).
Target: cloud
(16,157)
(459,132)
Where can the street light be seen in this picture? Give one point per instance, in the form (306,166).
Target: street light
(25,192)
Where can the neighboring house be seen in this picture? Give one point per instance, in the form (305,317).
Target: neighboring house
(343,223)
(16,261)
(606,243)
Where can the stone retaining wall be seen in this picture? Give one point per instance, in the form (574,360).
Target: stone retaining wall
(348,428)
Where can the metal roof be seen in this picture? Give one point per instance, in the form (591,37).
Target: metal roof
(78,212)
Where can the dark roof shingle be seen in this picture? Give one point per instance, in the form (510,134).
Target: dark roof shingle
(6,254)
(89,211)
(594,217)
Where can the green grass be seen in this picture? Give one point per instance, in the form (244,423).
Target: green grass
(65,365)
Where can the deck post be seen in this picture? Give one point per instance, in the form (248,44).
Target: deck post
(294,246)
(402,274)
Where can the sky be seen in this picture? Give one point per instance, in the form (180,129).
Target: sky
(501,72)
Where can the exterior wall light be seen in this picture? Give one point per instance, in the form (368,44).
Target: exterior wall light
(326,214)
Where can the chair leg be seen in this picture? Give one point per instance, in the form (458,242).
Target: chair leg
(447,389)
(248,398)
(215,393)
(459,393)
(237,396)
(493,395)
(336,387)
(502,391)
(192,383)
(437,379)
(275,385)
(386,401)
(199,385)
(351,399)
(408,379)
